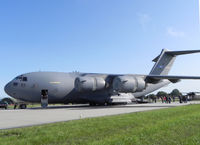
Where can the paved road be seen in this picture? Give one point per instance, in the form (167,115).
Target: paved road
(36,116)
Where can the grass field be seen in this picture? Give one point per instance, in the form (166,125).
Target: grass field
(173,126)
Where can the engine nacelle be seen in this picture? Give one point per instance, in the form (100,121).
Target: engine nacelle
(84,84)
(128,84)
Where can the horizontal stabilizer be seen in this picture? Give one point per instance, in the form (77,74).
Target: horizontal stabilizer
(175,53)
(173,79)
(182,52)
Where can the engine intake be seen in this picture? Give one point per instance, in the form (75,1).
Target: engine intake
(84,84)
(128,84)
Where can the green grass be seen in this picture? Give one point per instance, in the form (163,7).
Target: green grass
(174,126)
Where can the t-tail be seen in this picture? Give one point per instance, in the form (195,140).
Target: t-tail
(163,64)
(165,60)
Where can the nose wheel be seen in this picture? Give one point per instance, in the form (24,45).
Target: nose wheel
(22,106)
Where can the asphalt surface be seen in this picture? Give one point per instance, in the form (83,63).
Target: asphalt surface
(37,116)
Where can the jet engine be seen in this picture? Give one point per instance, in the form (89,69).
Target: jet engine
(128,84)
(83,84)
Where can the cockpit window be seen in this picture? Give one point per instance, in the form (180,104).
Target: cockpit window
(24,79)
(21,78)
(15,84)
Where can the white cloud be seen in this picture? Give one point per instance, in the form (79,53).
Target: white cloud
(174,33)
(144,19)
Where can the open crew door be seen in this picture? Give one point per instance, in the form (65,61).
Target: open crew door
(44,98)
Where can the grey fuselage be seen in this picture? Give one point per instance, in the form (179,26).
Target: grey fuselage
(61,88)
(95,88)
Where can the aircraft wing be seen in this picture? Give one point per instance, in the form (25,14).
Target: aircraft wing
(173,79)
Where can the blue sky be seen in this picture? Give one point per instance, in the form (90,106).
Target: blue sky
(105,36)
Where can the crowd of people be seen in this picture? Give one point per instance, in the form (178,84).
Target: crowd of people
(169,99)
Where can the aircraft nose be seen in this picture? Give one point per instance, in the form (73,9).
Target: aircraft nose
(7,88)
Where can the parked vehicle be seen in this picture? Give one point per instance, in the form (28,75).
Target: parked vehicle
(3,105)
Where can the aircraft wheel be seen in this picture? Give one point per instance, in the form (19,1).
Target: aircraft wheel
(92,104)
(103,104)
(22,106)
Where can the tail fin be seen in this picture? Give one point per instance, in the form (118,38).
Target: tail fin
(165,60)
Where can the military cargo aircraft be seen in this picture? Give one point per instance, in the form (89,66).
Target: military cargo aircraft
(92,88)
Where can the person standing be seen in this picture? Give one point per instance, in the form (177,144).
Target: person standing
(186,99)
(173,97)
(155,99)
(167,99)
(15,105)
(180,99)
(162,99)
(170,99)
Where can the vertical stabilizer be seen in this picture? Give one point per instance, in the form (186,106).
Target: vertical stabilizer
(165,60)
(163,63)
